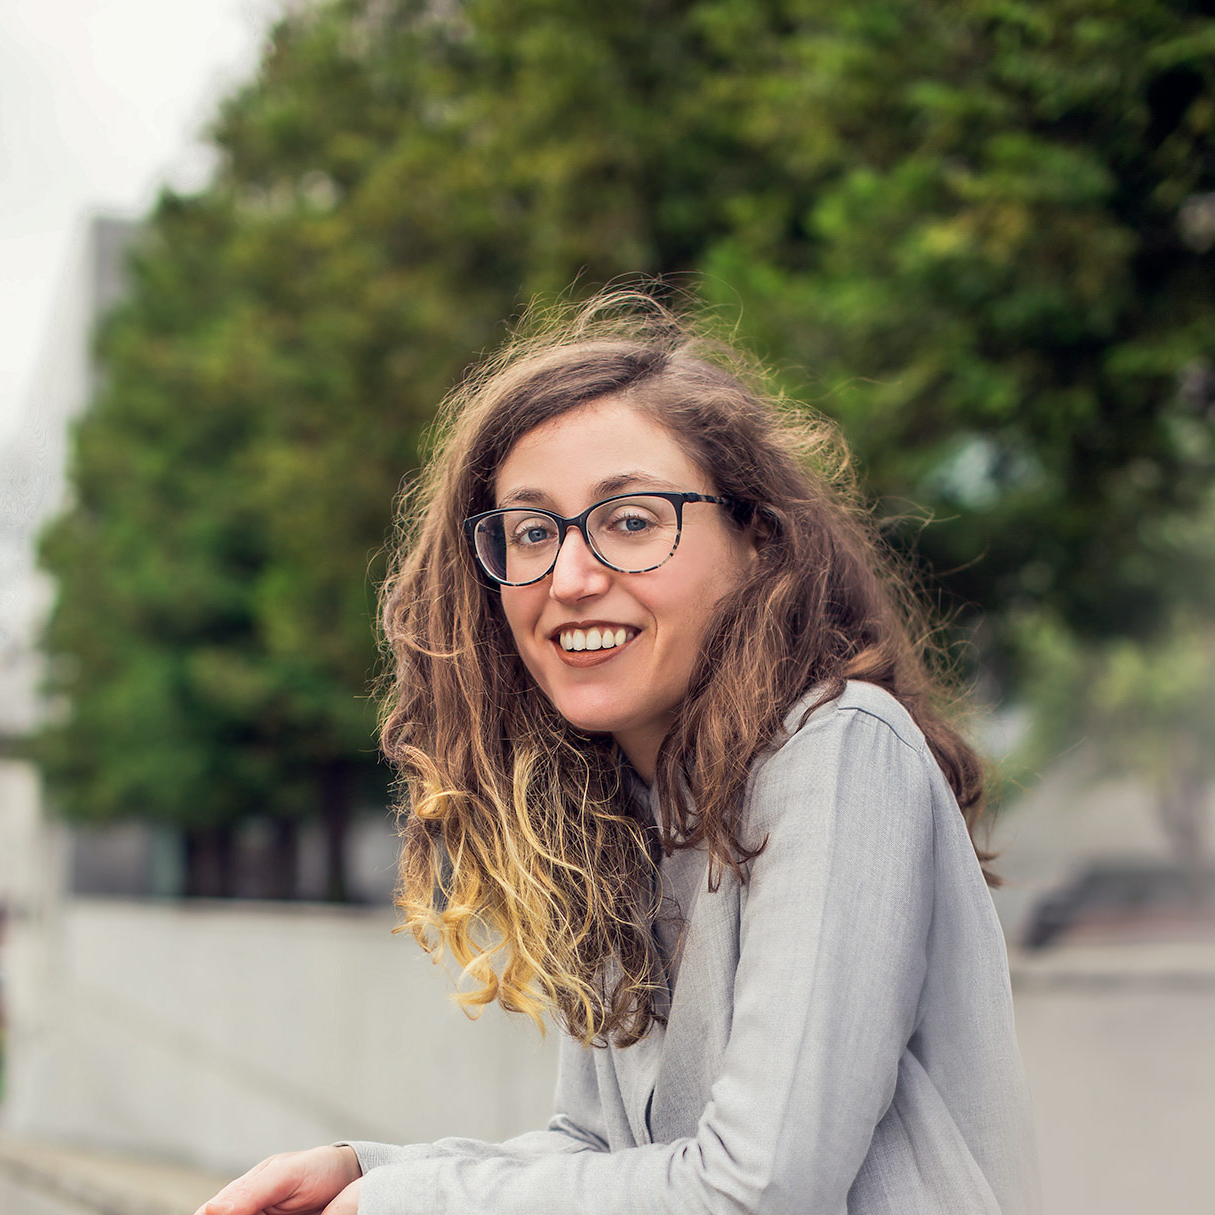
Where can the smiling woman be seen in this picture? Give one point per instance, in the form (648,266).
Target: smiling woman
(678,777)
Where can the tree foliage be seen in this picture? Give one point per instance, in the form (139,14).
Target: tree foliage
(989,272)
(979,233)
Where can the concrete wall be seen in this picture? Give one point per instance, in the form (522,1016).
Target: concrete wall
(219,1033)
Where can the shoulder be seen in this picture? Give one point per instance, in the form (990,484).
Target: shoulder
(860,755)
(862,708)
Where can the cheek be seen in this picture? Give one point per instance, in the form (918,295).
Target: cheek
(720,569)
(520,615)
(720,576)
(510,609)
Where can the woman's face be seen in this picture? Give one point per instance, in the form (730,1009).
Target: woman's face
(630,690)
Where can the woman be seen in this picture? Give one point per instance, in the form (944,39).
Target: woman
(676,777)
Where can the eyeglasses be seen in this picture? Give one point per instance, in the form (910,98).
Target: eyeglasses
(629,533)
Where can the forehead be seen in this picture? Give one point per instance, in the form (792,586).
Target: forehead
(605,447)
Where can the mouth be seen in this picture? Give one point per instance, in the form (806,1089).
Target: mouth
(597,637)
(592,645)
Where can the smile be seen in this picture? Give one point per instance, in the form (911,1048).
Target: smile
(602,637)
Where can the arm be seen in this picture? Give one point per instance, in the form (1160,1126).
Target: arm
(832,959)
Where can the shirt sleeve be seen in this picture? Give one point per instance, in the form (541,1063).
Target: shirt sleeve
(833,932)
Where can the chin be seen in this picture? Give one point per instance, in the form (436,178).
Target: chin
(590,721)
(592,714)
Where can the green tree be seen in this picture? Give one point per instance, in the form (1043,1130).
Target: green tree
(174,714)
(983,230)
(978,233)
(997,270)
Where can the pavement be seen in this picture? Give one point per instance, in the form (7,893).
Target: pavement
(1116,1036)
(55,1179)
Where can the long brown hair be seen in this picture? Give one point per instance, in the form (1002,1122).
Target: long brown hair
(523,854)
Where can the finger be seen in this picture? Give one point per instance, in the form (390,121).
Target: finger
(262,1186)
(217,1201)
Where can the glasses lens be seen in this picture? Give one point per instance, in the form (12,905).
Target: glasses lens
(634,534)
(516,545)
(631,534)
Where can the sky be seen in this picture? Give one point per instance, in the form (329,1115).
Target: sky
(101,103)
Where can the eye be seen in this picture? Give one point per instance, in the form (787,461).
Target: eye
(532,532)
(631,520)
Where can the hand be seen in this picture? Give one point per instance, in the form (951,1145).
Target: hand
(321,1181)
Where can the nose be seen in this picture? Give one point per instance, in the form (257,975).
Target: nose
(578,574)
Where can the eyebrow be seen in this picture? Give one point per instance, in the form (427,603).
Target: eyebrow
(601,489)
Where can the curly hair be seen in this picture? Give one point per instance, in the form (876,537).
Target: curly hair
(523,854)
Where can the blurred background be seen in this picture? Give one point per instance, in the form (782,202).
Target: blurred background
(246,249)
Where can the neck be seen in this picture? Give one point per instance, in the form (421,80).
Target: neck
(641,750)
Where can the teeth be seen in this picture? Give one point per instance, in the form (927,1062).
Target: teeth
(593,638)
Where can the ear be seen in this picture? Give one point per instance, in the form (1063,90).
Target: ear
(760,530)
(742,517)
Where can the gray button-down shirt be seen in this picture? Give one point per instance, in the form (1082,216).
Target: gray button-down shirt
(839,1034)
